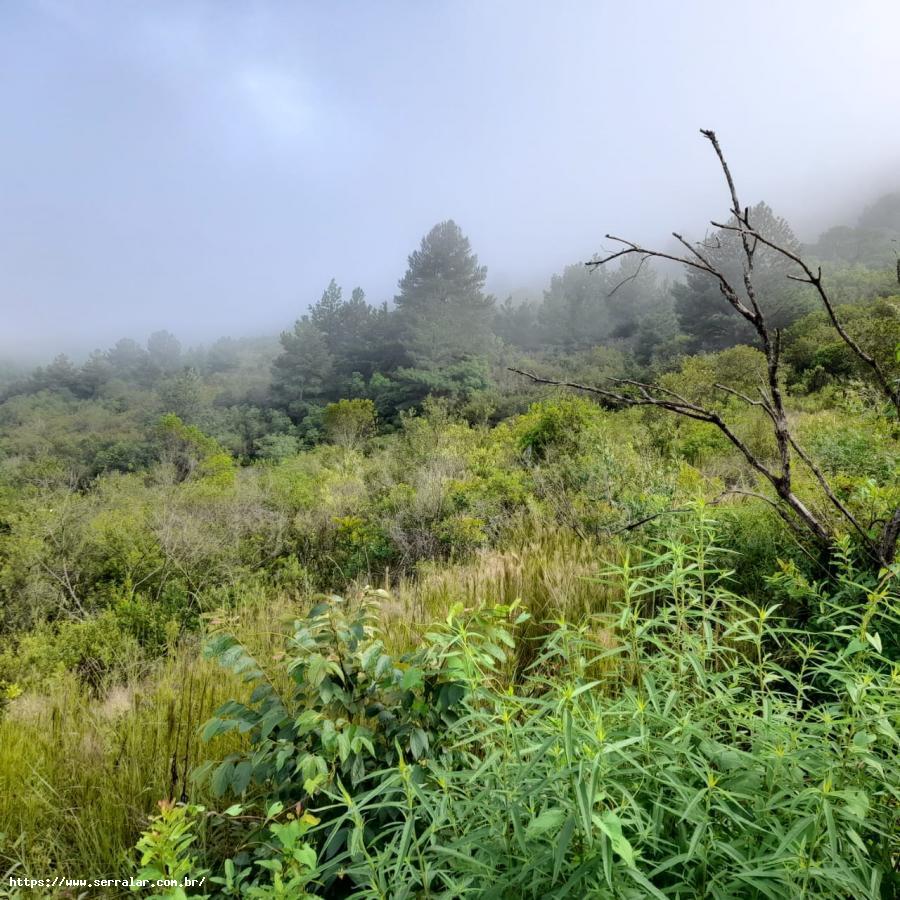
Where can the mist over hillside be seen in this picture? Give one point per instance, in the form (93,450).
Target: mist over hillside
(871,242)
(208,169)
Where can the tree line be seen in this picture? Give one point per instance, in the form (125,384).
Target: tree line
(445,335)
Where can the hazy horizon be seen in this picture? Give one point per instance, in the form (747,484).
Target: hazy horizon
(207,168)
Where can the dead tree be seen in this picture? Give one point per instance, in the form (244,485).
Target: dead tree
(879,547)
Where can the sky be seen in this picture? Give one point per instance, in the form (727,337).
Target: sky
(207,167)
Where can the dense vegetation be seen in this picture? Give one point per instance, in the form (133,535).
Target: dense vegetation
(582,650)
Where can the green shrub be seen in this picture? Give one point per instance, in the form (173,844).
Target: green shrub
(349,422)
(699,765)
(96,649)
(557,423)
(361,547)
(344,709)
(842,446)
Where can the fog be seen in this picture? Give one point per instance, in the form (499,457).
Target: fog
(208,167)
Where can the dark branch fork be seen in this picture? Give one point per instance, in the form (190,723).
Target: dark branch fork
(628,392)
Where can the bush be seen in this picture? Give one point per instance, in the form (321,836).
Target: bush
(346,709)
(349,422)
(555,424)
(96,649)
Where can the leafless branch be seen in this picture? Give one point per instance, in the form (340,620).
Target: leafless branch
(628,392)
(814,278)
(631,277)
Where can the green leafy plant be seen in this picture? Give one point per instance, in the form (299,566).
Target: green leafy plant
(166,850)
(723,754)
(340,709)
(283,864)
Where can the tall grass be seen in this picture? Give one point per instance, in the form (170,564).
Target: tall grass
(81,770)
(79,775)
(653,734)
(551,572)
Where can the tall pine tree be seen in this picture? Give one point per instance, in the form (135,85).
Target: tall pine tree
(445,316)
(300,374)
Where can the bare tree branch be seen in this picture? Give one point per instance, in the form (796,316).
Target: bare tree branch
(631,277)
(628,392)
(815,279)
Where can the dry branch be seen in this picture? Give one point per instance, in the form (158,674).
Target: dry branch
(628,392)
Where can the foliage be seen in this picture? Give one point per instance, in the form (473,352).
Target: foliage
(349,422)
(165,849)
(554,424)
(346,709)
(687,743)
(283,866)
(444,313)
(301,372)
(664,729)
(621,775)
(818,356)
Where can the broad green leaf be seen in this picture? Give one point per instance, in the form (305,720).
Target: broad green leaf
(610,824)
(549,820)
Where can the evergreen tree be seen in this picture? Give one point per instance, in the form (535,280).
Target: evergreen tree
(164,350)
(353,342)
(574,314)
(301,372)
(95,373)
(182,394)
(223,355)
(444,314)
(129,361)
(59,375)
(346,326)
(385,347)
(325,315)
(517,324)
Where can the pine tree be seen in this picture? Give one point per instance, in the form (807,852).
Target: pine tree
(706,316)
(164,350)
(326,313)
(301,372)
(444,313)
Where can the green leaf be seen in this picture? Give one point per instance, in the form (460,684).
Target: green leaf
(216,727)
(857,803)
(875,640)
(270,720)
(222,778)
(241,777)
(412,678)
(549,820)
(584,687)
(562,845)
(418,743)
(610,824)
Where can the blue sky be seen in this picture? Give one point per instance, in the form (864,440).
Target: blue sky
(208,166)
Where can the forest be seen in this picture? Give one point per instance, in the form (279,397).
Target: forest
(587,594)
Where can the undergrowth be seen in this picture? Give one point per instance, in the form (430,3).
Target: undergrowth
(686,742)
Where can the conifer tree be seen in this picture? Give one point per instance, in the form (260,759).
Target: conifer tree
(445,315)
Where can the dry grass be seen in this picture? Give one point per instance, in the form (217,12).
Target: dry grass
(552,573)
